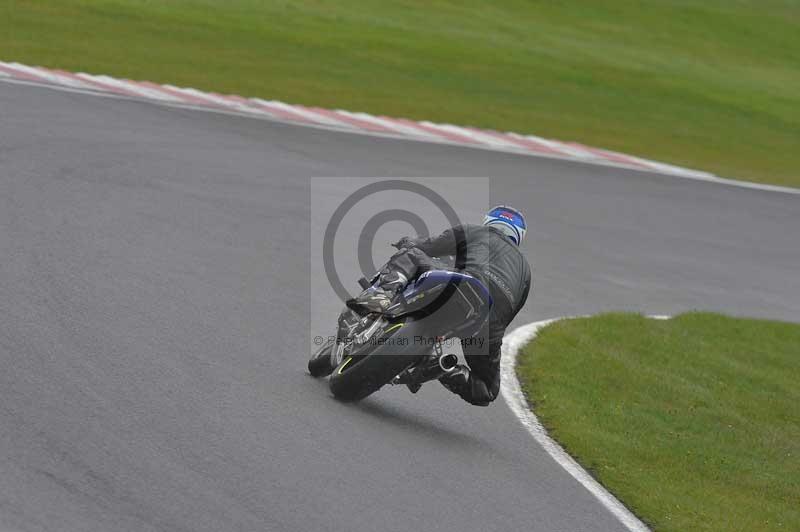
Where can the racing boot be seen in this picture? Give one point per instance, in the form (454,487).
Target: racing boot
(373,299)
(378,297)
(456,380)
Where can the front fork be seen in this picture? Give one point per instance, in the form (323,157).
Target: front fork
(347,338)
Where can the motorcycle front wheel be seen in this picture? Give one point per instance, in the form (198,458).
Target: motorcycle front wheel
(320,363)
(360,375)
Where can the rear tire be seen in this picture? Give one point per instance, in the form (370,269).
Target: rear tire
(357,377)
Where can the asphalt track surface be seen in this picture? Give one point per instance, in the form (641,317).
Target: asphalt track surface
(154,322)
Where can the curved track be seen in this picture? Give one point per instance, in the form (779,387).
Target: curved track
(154,322)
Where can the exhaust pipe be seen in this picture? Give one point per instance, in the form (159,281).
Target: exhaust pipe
(431,369)
(448,362)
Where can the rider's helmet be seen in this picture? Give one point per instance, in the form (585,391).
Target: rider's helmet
(508,221)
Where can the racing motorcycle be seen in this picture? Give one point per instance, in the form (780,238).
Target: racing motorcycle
(403,344)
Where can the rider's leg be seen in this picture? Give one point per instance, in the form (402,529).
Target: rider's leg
(478,383)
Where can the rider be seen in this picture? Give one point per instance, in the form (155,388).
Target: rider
(488,252)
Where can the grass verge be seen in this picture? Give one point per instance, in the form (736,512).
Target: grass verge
(710,84)
(692,422)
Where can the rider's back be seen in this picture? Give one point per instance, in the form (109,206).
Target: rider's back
(489,255)
(492,257)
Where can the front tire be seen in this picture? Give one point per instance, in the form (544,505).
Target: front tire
(320,363)
(359,376)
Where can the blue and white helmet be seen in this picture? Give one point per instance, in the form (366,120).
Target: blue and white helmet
(507,220)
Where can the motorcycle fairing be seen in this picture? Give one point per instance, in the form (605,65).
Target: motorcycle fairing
(456,302)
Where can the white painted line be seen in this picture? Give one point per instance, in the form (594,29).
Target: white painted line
(130,88)
(47,75)
(442,131)
(93,91)
(210,98)
(608,155)
(512,393)
(17,70)
(480,137)
(244,105)
(560,147)
(303,112)
(745,184)
(389,124)
(15,74)
(672,169)
(522,143)
(349,119)
(426,130)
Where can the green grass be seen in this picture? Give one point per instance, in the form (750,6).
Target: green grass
(694,423)
(711,84)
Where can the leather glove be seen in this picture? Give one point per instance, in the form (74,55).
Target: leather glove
(405,242)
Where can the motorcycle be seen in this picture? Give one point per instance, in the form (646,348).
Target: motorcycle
(403,344)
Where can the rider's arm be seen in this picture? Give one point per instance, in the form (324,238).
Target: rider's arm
(525,292)
(439,245)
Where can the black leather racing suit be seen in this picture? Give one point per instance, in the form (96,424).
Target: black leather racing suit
(490,256)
